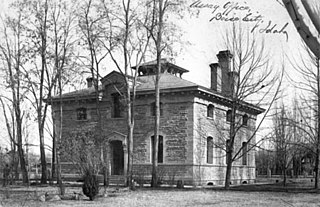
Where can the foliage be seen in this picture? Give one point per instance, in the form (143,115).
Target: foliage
(90,185)
(82,148)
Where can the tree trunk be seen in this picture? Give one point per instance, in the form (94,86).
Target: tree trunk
(228,170)
(154,180)
(316,168)
(43,159)
(284,176)
(130,151)
(230,143)
(130,124)
(58,138)
(24,171)
(54,151)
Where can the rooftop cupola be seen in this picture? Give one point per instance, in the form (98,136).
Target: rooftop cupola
(149,68)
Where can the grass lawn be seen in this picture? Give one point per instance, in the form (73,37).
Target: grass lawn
(269,195)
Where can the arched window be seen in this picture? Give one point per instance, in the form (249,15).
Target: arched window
(229,115)
(210,150)
(210,111)
(244,153)
(160,148)
(117,107)
(153,109)
(245,120)
(81,114)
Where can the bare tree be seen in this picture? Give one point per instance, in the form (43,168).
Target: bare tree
(36,78)
(47,30)
(162,32)
(13,55)
(309,84)
(63,61)
(128,37)
(251,81)
(9,118)
(283,140)
(92,23)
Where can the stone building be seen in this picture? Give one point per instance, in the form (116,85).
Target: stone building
(193,125)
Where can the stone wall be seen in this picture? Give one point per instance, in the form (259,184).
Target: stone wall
(184,126)
(218,128)
(175,127)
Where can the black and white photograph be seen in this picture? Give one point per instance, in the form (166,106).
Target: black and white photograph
(159,103)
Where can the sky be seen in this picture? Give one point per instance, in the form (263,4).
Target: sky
(207,36)
(205,29)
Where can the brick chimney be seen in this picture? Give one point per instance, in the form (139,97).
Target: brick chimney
(90,82)
(222,74)
(215,77)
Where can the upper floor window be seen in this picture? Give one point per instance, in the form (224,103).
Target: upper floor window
(116,105)
(81,114)
(210,111)
(245,119)
(153,109)
(210,150)
(160,148)
(244,153)
(229,115)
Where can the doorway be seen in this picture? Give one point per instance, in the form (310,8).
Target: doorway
(117,162)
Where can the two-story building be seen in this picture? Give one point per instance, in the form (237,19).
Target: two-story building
(194,124)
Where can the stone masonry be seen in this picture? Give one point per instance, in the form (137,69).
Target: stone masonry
(184,125)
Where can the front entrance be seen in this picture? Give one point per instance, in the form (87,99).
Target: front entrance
(117,164)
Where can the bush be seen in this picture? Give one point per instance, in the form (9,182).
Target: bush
(90,185)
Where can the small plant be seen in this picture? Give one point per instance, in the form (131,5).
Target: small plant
(90,185)
(140,176)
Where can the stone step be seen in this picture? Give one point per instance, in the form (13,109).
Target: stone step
(117,180)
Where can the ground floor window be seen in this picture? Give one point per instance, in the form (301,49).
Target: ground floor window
(160,148)
(210,150)
(244,153)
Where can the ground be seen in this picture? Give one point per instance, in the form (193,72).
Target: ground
(269,195)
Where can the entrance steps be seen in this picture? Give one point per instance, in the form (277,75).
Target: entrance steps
(118,180)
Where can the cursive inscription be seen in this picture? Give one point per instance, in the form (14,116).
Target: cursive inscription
(232,11)
(270,28)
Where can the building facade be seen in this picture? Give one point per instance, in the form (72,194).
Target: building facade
(194,122)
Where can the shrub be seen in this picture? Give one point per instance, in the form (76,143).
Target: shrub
(90,185)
